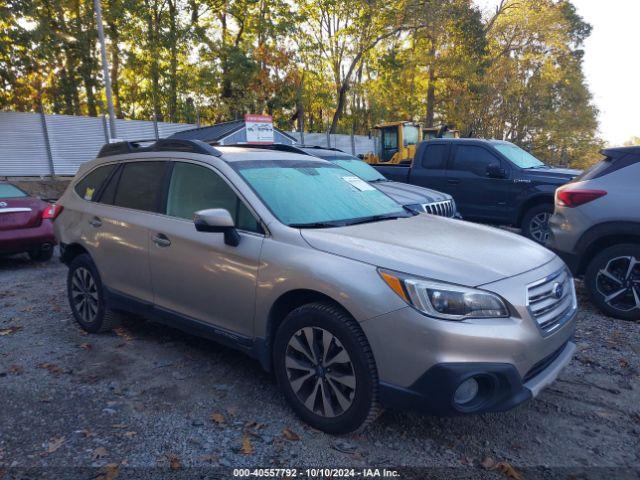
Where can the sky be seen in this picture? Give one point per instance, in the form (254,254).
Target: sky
(611,65)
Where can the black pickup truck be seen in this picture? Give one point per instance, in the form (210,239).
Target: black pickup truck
(492,181)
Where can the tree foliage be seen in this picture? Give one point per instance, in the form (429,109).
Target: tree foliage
(318,65)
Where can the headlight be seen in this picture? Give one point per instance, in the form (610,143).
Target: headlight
(443,300)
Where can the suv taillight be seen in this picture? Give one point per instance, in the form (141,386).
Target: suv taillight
(575,198)
(51,212)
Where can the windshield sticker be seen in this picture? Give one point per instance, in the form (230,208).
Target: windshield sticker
(358,183)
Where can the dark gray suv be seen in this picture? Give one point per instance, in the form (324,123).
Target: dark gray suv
(596,230)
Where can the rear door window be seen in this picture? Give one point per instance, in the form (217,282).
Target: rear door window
(474,159)
(90,185)
(435,156)
(194,188)
(140,186)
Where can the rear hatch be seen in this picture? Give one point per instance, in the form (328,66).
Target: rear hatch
(23,212)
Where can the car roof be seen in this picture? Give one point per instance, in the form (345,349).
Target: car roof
(477,141)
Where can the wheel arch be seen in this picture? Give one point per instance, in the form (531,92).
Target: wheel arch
(284,304)
(604,236)
(70,251)
(540,199)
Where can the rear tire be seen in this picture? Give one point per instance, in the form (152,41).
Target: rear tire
(535,223)
(326,369)
(42,253)
(86,297)
(613,281)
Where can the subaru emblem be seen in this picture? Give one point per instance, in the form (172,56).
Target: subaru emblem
(3,204)
(557,290)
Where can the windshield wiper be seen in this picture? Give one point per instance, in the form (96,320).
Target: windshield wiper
(378,180)
(316,225)
(540,166)
(374,218)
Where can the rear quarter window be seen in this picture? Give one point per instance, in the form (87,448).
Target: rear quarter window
(140,186)
(10,191)
(608,165)
(89,186)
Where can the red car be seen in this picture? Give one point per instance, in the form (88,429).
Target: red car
(26,224)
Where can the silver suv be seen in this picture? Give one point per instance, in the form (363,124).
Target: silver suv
(353,301)
(596,229)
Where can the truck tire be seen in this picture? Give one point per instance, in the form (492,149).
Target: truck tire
(325,368)
(535,223)
(86,297)
(613,281)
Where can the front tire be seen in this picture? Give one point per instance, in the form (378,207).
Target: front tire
(325,368)
(535,223)
(86,297)
(613,281)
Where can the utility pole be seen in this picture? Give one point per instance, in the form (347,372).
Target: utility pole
(105,69)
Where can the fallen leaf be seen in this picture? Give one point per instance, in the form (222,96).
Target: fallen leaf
(86,433)
(218,418)
(51,368)
(55,443)
(174,462)
(86,346)
(290,434)
(624,363)
(9,331)
(130,434)
(109,472)
(123,333)
(15,369)
(98,453)
(247,448)
(504,467)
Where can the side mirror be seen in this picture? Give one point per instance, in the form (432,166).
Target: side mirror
(217,220)
(495,171)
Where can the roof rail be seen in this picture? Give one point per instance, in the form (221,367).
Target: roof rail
(162,145)
(282,147)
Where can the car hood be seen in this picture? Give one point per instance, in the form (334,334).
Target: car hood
(559,175)
(434,247)
(406,194)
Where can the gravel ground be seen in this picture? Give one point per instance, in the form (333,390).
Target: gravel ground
(151,396)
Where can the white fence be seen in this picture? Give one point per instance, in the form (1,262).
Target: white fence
(32,144)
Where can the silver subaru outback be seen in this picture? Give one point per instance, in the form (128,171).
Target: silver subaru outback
(353,301)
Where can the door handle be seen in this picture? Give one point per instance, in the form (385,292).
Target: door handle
(453,181)
(95,222)
(161,240)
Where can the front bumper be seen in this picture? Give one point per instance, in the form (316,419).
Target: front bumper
(502,388)
(23,239)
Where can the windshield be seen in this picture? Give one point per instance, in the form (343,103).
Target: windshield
(517,155)
(9,191)
(312,194)
(354,165)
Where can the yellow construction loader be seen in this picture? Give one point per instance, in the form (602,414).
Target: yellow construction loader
(396,141)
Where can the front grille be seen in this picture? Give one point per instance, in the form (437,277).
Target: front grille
(442,209)
(542,364)
(552,300)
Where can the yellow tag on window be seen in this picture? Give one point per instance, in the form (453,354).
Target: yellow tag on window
(88,193)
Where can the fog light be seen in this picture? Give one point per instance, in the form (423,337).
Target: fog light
(466,391)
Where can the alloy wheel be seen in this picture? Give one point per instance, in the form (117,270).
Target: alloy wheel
(320,371)
(619,283)
(84,294)
(539,227)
